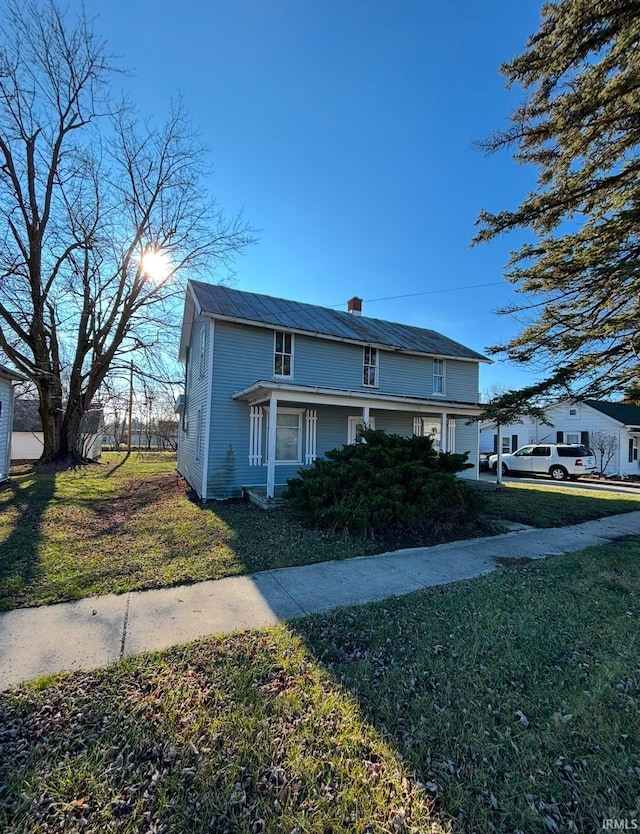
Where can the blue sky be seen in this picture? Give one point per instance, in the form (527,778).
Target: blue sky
(344,131)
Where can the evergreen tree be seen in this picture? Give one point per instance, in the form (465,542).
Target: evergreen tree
(579,123)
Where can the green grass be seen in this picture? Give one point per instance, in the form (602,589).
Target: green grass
(545,506)
(129,524)
(504,704)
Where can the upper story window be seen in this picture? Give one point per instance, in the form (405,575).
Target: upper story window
(438,376)
(283,353)
(370,366)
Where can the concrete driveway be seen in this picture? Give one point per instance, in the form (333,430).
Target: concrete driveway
(629,488)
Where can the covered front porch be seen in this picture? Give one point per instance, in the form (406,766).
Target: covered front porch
(310,420)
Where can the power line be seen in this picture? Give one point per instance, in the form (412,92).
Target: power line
(426,292)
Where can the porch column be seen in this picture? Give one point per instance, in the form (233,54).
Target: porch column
(499,461)
(271,446)
(444,432)
(365,416)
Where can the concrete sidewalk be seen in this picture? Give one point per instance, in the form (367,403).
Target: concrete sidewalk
(98,631)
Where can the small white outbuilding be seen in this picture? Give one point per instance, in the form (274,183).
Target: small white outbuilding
(7,380)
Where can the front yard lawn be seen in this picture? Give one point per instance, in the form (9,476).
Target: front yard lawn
(506,704)
(129,523)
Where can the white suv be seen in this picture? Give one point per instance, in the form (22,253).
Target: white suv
(560,460)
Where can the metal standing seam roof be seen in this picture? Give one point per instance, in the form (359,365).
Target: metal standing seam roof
(218,300)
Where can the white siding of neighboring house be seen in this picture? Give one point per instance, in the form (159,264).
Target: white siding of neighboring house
(587,420)
(26,445)
(5,427)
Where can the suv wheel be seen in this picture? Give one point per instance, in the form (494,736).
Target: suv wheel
(558,473)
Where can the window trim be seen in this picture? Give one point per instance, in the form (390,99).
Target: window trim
(283,353)
(373,353)
(355,422)
(283,410)
(442,376)
(435,431)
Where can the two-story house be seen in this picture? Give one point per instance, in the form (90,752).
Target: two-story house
(271,384)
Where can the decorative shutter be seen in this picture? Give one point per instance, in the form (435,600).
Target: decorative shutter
(255,435)
(584,438)
(630,450)
(514,442)
(310,451)
(417,427)
(495,444)
(559,437)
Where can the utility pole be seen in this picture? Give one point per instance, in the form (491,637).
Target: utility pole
(130,406)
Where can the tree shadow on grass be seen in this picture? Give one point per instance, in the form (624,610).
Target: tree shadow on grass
(459,709)
(24,501)
(117,466)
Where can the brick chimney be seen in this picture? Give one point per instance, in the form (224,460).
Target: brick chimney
(354,306)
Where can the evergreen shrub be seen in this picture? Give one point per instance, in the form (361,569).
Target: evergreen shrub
(385,483)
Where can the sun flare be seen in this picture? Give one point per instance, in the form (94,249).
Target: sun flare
(155,265)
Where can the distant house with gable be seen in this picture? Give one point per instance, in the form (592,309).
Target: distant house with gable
(271,384)
(612,426)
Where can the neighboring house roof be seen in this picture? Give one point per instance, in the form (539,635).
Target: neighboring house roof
(628,415)
(251,308)
(27,419)
(7,373)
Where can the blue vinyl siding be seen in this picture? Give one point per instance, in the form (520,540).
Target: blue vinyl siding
(243,354)
(190,458)
(462,381)
(5,427)
(467,441)
(332,364)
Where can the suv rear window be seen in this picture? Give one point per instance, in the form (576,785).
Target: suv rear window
(573,451)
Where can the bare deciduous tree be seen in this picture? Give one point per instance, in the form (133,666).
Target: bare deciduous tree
(100,215)
(605,446)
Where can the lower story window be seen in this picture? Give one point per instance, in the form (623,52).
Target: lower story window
(288,435)
(428,427)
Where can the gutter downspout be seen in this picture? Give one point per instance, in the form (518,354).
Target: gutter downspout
(499,462)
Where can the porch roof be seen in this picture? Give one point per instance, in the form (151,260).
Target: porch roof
(260,392)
